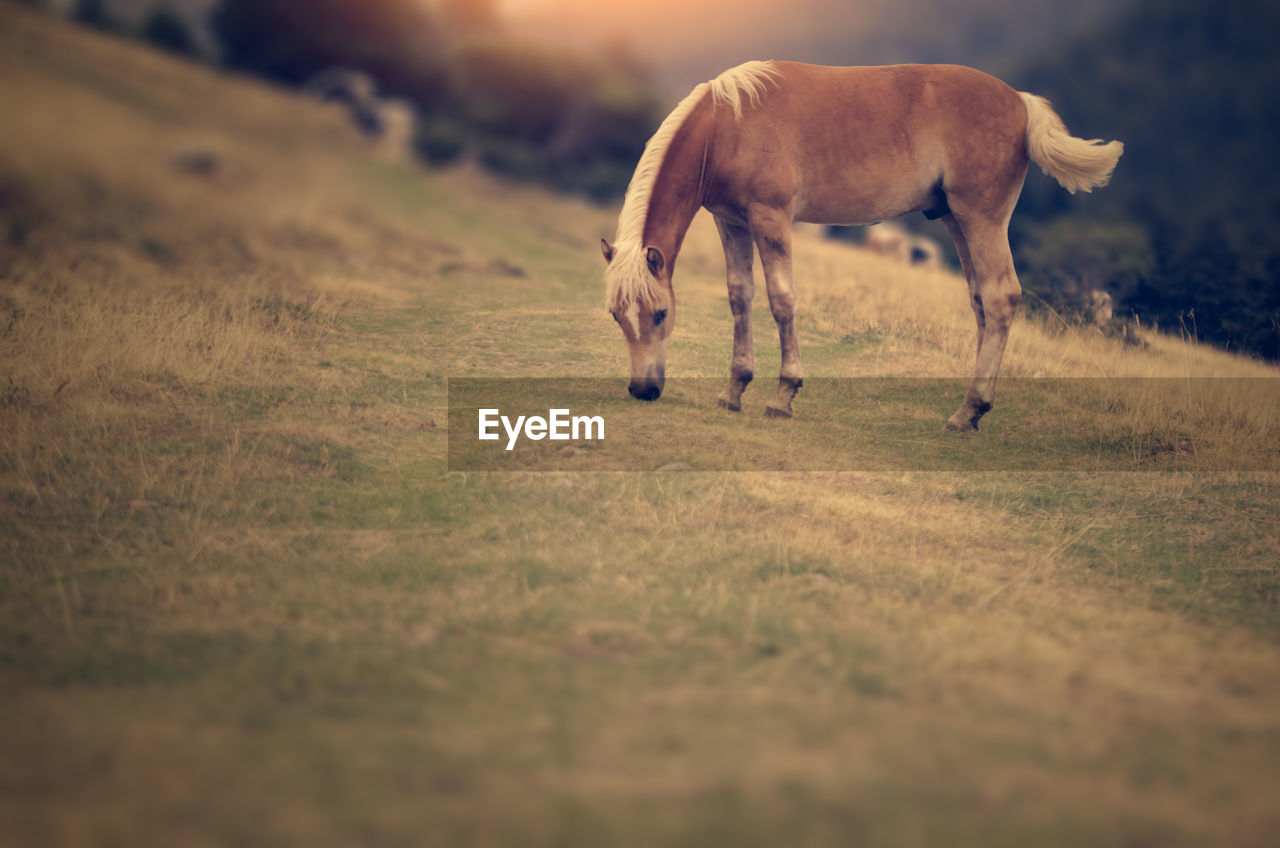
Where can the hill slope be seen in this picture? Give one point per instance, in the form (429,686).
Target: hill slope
(246,600)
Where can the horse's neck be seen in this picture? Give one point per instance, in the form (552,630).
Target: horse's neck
(680,186)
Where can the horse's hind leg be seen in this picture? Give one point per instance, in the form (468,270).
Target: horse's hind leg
(966,264)
(995,294)
(738,255)
(771,229)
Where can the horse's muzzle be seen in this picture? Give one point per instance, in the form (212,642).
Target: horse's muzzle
(645,390)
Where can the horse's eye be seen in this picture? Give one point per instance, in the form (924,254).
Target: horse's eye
(614,314)
(659,317)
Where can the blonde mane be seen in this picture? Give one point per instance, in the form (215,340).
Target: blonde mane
(627,278)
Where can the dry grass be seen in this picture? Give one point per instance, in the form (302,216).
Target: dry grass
(242,599)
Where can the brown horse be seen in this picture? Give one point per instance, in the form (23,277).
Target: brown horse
(769,143)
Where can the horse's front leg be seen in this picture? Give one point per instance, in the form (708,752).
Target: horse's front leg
(771,229)
(738,259)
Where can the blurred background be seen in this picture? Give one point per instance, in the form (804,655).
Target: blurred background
(565,93)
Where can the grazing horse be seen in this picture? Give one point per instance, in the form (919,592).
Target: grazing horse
(768,143)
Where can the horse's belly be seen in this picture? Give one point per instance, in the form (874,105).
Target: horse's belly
(864,200)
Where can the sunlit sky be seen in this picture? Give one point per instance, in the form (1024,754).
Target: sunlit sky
(685,41)
(661,23)
(635,16)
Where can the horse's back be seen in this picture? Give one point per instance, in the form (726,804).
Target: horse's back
(860,144)
(881,100)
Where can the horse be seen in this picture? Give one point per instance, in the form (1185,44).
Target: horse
(766,144)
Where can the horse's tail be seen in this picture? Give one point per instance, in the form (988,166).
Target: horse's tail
(1074,162)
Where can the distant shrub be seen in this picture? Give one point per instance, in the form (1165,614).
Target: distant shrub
(1072,265)
(399,42)
(1209,288)
(511,158)
(439,140)
(166,29)
(534,113)
(94,13)
(515,89)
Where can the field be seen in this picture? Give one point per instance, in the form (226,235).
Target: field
(246,597)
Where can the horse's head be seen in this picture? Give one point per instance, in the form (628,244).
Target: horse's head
(645,309)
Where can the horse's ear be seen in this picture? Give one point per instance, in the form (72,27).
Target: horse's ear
(607,250)
(655,260)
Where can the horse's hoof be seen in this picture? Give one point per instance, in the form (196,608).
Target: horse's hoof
(961,426)
(732,406)
(772,411)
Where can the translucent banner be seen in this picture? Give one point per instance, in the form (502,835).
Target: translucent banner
(872,424)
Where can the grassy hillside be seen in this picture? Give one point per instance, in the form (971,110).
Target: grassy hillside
(244,599)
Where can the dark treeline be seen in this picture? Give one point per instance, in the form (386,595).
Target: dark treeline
(520,108)
(1187,236)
